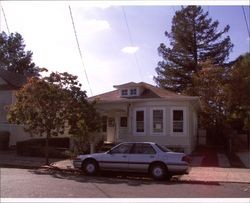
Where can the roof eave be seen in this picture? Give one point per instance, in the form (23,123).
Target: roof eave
(147,99)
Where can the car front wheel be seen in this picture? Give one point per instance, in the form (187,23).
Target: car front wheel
(158,171)
(90,167)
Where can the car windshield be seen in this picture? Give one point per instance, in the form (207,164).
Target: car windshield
(163,148)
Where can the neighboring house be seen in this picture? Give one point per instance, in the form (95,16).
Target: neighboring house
(142,112)
(9,83)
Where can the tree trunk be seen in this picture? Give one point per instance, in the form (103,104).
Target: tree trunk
(47,148)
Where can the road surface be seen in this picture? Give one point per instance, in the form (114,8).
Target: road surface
(34,183)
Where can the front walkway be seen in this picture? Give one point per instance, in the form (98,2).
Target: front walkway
(245,158)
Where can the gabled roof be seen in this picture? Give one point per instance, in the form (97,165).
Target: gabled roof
(13,80)
(149,92)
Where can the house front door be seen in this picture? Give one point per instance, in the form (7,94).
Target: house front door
(111,129)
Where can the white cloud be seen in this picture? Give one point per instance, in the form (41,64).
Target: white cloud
(130,49)
(93,25)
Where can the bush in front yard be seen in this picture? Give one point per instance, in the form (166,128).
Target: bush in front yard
(36,147)
(4,140)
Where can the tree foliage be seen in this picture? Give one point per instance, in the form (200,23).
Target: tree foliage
(82,116)
(209,84)
(194,39)
(238,91)
(53,105)
(13,56)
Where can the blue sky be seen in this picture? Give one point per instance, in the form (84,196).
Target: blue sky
(108,55)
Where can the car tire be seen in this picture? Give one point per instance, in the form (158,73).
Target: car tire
(90,167)
(158,171)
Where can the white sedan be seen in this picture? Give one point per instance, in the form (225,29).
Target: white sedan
(149,157)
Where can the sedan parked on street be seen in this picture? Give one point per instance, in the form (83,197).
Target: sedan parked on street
(149,157)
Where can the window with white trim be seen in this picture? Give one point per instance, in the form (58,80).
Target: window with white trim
(157,120)
(178,121)
(124,92)
(139,121)
(133,92)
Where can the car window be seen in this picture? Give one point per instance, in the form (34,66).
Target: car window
(163,148)
(143,149)
(122,149)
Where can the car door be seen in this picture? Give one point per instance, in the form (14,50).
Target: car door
(141,156)
(117,158)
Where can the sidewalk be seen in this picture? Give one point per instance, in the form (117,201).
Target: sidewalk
(203,174)
(216,174)
(197,173)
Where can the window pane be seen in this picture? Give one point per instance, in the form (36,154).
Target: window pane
(125,92)
(133,92)
(139,115)
(178,126)
(123,122)
(139,126)
(143,149)
(157,121)
(178,115)
(122,149)
(139,121)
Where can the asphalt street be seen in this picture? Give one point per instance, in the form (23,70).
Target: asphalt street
(41,183)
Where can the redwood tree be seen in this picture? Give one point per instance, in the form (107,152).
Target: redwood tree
(194,38)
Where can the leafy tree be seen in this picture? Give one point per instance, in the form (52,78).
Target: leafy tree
(238,92)
(40,109)
(209,85)
(194,38)
(51,105)
(82,116)
(13,57)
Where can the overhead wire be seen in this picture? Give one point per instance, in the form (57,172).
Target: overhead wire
(131,41)
(5,19)
(79,50)
(245,20)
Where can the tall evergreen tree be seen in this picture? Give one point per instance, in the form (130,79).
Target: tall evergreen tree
(194,38)
(13,57)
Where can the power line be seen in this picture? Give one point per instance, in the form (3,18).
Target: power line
(131,40)
(79,49)
(245,20)
(5,19)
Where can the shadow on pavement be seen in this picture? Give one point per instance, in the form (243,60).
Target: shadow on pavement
(131,179)
(210,158)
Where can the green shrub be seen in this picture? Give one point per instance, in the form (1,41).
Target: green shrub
(36,147)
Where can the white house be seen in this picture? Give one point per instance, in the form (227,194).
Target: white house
(142,112)
(9,84)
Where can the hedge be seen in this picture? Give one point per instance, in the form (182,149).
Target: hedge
(36,147)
